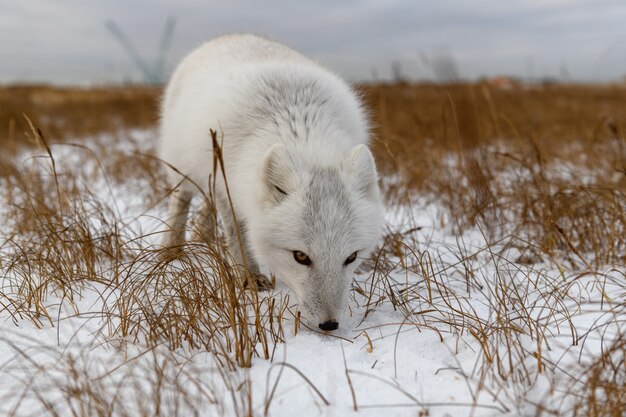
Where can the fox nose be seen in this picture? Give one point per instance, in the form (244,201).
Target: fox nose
(329,325)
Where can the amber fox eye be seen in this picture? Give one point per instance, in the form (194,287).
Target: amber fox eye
(350,259)
(301,257)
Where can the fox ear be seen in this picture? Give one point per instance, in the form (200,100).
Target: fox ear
(362,171)
(278,173)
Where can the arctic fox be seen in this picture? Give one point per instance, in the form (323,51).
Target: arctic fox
(302,182)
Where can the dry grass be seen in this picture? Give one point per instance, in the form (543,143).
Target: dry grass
(69,113)
(540,173)
(64,238)
(603,388)
(546,165)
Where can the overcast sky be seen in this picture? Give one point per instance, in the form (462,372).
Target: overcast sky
(66,41)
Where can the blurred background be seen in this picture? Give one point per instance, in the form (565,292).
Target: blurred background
(76,42)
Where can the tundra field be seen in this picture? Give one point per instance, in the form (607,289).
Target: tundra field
(500,288)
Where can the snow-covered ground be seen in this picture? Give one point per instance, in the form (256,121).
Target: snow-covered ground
(454,327)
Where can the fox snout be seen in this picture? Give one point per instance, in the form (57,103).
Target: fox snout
(326,311)
(329,325)
(323,318)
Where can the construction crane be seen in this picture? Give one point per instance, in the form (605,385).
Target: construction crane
(155,73)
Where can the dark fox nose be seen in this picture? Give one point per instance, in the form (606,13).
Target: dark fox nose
(329,325)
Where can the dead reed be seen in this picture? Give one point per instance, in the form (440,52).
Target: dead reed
(538,175)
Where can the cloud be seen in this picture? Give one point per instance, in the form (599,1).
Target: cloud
(66,40)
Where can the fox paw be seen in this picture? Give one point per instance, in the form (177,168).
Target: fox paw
(263,283)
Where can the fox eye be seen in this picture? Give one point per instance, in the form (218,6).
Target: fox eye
(350,259)
(301,257)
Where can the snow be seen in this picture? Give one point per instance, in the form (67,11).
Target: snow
(386,363)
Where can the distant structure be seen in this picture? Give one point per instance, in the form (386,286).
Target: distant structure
(442,64)
(153,74)
(444,67)
(397,73)
(502,82)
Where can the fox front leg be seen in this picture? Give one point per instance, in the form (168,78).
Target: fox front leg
(204,225)
(236,235)
(174,236)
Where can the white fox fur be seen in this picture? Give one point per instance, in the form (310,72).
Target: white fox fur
(299,173)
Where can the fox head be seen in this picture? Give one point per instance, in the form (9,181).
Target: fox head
(316,224)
